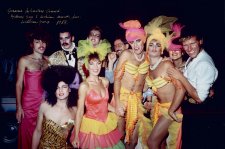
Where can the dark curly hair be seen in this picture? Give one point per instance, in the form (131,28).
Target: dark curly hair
(38,33)
(50,79)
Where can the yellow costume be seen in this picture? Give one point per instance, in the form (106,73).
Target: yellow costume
(161,109)
(132,100)
(174,139)
(135,70)
(157,82)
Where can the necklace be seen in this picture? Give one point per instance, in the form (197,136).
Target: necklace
(139,59)
(153,67)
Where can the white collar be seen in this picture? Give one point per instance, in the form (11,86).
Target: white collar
(196,59)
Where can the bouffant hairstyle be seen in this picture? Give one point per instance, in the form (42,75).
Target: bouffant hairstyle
(50,79)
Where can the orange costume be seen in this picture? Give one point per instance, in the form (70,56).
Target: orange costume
(132,100)
(99,127)
(161,109)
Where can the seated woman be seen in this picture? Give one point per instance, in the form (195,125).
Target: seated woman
(96,127)
(167,90)
(57,112)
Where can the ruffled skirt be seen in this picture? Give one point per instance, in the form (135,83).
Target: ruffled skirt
(98,134)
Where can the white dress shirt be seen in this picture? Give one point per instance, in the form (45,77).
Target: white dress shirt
(201,73)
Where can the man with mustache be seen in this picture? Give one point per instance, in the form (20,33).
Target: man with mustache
(119,46)
(29,92)
(67,55)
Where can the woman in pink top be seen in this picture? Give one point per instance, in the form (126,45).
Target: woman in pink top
(95,126)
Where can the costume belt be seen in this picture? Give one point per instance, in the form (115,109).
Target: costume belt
(131,100)
(156,112)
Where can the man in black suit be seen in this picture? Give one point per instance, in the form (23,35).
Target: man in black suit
(67,55)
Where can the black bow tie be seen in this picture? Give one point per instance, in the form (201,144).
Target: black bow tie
(70,53)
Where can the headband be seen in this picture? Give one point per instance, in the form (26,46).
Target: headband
(134,30)
(158,29)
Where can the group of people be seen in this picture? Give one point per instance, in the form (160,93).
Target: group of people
(88,96)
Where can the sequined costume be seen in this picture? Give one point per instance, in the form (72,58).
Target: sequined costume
(54,136)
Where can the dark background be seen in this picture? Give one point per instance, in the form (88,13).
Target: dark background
(208,16)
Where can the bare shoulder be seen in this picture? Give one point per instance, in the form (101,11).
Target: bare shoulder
(44,106)
(24,58)
(24,61)
(74,109)
(46,57)
(84,86)
(125,53)
(105,81)
(167,63)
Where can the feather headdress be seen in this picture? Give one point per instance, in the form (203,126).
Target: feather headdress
(176,28)
(159,28)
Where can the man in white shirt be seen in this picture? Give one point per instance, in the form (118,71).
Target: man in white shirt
(67,55)
(199,75)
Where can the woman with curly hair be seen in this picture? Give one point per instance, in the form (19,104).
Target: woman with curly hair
(57,112)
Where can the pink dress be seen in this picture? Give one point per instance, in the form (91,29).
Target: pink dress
(31,100)
(99,127)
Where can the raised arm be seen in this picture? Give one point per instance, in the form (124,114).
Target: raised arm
(175,73)
(109,70)
(19,88)
(178,96)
